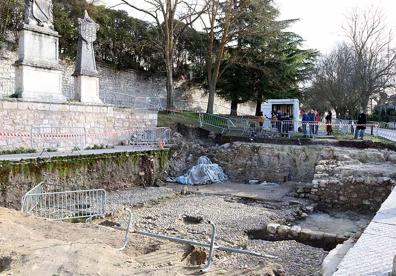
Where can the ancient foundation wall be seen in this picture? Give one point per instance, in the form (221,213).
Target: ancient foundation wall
(335,177)
(352,178)
(107,171)
(107,125)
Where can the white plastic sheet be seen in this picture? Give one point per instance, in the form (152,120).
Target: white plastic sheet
(205,172)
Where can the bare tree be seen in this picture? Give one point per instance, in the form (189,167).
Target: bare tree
(171,18)
(335,83)
(375,57)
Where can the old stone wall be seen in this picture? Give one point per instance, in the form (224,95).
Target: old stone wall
(246,161)
(83,125)
(7,73)
(121,87)
(352,178)
(107,171)
(335,177)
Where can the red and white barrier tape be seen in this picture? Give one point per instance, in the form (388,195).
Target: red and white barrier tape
(70,135)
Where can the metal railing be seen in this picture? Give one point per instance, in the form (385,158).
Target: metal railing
(127,100)
(224,124)
(63,205)
(211,245)
(159,136)
(67,138)
(320,128)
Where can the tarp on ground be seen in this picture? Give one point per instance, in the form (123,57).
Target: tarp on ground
(205,172)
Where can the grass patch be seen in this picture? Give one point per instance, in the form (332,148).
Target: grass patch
(17,151)
(375,139)
(97,147)
(168,119)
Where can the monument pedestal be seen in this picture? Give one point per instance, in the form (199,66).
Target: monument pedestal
(87,89)
(38,73)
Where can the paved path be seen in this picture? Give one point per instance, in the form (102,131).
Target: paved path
(373,253)
(117,149)
(389,134)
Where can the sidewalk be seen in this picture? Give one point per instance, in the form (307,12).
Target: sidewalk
(47,155)
(373,253)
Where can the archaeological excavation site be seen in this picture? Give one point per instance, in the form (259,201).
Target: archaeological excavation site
(205,203)
(135,147)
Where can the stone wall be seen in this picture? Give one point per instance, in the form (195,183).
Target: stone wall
(7,73)
(335,177)
(106,125)
(107,171)
(122,87)
(352,178)
(245,161)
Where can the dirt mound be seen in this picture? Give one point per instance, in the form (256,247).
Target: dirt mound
(34,246)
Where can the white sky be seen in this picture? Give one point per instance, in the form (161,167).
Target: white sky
(320,20)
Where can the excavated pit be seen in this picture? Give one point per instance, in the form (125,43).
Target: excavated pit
(277,213)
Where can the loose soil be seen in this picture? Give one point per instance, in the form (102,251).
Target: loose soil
(34,246)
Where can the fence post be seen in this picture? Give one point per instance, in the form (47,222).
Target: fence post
(31,137)
(85,138)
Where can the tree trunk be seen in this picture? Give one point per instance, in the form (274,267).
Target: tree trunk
(212,91)
(258,106)
(234,108)
(169,87)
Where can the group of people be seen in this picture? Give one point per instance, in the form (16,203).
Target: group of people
(311,121)
(279,120)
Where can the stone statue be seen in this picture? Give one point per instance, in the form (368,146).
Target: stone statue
(39,12)
(85,62)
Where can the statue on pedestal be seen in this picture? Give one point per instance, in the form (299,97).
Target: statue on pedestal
(38,74)
(86,80)
(39,12)
(85,62)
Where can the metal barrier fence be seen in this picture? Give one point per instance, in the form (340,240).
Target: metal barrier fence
(48,138)
(63,205)
(224,124)
(160,136)
(315,129)
(127,100)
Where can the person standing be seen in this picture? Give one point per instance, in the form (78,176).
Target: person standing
(311,117)
(328,119)
(285,124)
(317,121)
(273,119)
(305,120)
(279,119)
(260,119)
(361,126)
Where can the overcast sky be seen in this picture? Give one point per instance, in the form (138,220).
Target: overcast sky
(320,20)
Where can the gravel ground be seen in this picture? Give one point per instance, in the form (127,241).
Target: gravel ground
(161,210)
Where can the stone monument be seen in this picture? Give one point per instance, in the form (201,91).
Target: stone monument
(38,73)
(86,81)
